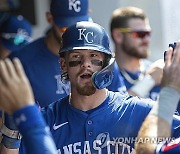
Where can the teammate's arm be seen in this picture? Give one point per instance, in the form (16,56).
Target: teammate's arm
(153,77)
(158,122)
(16,98)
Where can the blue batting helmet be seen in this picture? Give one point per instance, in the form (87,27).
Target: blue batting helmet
(86,35)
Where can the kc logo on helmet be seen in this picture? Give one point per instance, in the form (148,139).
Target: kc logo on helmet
(75,4)
(88,36)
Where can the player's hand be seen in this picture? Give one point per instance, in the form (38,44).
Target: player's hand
(15,89)
(171,72)
(156,71)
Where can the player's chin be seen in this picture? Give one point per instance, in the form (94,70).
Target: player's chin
(143,54)
(87,90)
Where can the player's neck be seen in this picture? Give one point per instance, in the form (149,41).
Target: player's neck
(86,103)
(52,44)
(127,62)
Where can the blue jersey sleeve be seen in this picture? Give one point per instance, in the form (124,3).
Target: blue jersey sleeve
(36,135)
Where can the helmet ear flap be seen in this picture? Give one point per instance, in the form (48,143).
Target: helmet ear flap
(104,77)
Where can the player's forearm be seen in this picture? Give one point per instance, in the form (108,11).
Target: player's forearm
(156,126)
(4,150)
(158,131)
(142,87)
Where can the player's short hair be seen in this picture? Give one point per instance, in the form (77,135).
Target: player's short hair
(121,16)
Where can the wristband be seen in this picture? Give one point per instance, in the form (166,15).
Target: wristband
(27,118)
(10,143)
(142,87)
(11,136)
(10,133)
(168,101)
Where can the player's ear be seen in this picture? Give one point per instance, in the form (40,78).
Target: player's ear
(49,18)
(63,64)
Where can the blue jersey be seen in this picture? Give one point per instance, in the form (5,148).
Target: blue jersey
(117,117)
(111,127)
(43,70)
(121,83)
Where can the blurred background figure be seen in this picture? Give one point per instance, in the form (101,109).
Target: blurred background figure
(131,31)
(15,32)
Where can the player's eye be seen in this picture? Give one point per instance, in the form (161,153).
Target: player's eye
(76,56)
(94,55)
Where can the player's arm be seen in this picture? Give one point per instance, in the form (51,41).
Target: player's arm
(158,122)
(4,150)
(153,77)
(16,98)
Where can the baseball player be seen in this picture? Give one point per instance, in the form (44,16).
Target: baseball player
(91,119)
(40,58)
(130,32)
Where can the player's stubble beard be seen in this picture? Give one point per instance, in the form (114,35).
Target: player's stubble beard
(86,90)
(132,51)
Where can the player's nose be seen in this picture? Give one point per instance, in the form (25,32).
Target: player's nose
(86,62)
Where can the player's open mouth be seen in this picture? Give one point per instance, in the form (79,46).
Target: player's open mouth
(86,75)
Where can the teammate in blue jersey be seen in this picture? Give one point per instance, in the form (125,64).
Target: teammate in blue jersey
(130,31)
(40,58)
(91,119)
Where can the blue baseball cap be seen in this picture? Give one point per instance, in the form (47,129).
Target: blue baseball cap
(16,32)
(68,12)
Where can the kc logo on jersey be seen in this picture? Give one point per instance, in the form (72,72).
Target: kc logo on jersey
(88,36)
(75,5)
(62,88)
